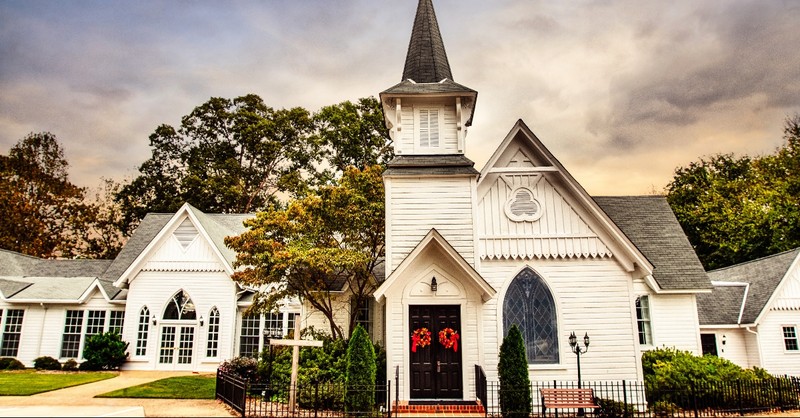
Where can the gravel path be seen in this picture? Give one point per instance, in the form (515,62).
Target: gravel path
(80,400)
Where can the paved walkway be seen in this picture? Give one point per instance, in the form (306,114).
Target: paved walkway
(80,401)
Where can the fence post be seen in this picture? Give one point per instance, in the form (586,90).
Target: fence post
(624,400)
(244,397)
(396,388)
(388,398)
(316,398)
(739,396)
(694,399)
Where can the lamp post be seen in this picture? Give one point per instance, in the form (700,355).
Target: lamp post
(573,342)
(271,334)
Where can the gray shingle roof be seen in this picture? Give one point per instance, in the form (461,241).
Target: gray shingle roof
(426,61)
(445,87)
(10,287)
(61,288)
(722,306)
(650,224)
(764,275)
(414,165)
(148,228)
(16,264)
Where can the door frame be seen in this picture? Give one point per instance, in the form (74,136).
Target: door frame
(178,325)
(459,308)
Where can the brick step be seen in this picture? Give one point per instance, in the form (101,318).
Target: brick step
(452,408)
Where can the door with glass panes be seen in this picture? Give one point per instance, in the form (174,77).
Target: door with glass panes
(177,334)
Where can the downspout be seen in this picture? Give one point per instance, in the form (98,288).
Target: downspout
(41,330)
(758,346)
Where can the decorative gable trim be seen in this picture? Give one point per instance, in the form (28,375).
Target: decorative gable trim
(792,275)
(539,161)
(185,213)
(433,237)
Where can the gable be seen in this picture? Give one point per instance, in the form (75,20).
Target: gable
(185,249)
(522,215)
(529,207)
(788,296)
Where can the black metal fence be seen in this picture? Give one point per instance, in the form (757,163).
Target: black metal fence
(631,399)
(254,399)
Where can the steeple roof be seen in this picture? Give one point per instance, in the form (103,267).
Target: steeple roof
(426,61)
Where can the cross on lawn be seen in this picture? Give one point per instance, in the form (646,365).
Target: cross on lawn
(295,343)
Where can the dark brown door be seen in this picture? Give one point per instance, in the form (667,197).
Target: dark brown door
(435,370)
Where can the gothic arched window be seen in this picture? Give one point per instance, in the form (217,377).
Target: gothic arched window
(180,307)
(143,331)
(529,305)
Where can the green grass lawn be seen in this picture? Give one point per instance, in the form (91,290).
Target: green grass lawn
(183,387)
(31,382)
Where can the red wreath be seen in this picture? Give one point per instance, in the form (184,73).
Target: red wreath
(420,338)
(449,338)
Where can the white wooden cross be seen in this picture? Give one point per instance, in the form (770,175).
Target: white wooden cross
(295,343)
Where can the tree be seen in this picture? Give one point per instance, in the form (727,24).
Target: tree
(512,370)
(360,376)
(227,156)
(37,200)
(328,241)
(739,209)
(352,134)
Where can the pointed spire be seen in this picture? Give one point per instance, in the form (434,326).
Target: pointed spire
(426,61)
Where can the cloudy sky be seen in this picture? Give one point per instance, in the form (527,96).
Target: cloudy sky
(621,91)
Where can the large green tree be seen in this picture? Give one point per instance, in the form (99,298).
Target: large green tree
(325,242)
(735,209)
(227,156)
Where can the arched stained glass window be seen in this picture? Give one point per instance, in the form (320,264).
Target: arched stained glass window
(529,305)
(180,307)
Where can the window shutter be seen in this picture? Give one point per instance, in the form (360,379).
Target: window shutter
(429,128)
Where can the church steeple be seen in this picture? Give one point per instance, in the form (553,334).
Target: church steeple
(428,113)
(426,61)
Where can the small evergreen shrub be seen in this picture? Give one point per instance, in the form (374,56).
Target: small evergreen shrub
(70,365)
(663,409)
(360,376)
(10,363)
(46,363)
(105,351)
(515,392)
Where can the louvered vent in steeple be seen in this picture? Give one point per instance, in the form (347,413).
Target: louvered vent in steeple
(185,233)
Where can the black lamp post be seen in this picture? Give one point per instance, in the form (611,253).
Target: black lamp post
(573,342)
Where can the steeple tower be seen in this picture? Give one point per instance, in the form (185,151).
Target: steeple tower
(426,61)
(427,113)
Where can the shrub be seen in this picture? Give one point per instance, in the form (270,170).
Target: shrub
(515,393)
(105,351)
(244,367)
(360,376)
(664,409)
(70,365)
(9,363)
(46,363)
(610,408)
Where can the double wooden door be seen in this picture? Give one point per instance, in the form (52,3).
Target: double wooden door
(435,370)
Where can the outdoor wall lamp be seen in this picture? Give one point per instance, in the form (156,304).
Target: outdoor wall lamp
(434,286)
(201,320)
(155,322)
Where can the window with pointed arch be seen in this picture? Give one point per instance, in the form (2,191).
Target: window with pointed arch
(212,347)
(530,306)
(143,331)
(180,307)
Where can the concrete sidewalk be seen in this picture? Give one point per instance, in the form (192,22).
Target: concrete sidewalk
(80,401)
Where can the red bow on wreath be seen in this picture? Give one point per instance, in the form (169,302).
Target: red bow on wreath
(420,338)
(449,338)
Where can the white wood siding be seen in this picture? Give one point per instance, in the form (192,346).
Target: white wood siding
(560,232)
(406,144)
(788,297)
(776,359)
(593,296)
(675,322)
(731,345)
(420,204)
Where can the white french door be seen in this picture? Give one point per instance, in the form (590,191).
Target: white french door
(176,351)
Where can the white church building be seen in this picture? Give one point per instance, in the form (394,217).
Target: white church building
(518,243)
